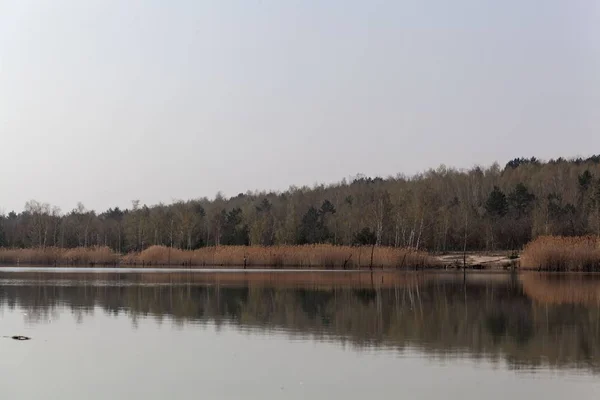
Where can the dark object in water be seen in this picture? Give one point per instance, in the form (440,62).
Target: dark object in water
(20,338)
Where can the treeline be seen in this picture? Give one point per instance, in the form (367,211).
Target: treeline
(440,210)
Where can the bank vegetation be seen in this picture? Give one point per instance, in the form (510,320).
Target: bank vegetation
(559,253)
(307,256)
(440,210)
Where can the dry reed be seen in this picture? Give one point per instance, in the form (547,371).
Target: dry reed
(557,253)
(59,256)
(310,256)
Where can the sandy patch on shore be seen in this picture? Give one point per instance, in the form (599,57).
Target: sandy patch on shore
(476,260)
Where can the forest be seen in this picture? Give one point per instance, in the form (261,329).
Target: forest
(440,210)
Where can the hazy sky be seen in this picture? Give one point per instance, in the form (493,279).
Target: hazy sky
(108,101)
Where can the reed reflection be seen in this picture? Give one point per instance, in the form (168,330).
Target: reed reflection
(528,320)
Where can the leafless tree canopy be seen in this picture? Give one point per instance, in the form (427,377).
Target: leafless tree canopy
(440,210)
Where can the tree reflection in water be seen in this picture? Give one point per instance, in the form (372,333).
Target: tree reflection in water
(528,320)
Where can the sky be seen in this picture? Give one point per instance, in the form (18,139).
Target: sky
(107,101)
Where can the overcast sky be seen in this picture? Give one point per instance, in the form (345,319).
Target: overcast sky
(108,101)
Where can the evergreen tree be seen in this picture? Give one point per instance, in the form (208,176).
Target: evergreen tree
(496,204)
(521,200)
(311,227)
(235,232)
(365,237)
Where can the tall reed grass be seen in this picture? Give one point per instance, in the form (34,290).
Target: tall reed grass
(58,256)
(557,253)
(313,256)
(310,256)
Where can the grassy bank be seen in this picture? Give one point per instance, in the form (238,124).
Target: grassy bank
(557,253)
(312,256)
(60,256)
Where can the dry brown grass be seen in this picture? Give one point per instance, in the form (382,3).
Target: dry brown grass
(557,253)
(58,256)
(312,256)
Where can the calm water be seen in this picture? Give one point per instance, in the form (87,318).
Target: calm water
(298,335)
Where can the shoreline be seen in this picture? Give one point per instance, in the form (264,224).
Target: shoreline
(546,253)
(277,257)
(478,261)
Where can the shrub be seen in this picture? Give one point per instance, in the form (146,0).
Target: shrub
(558,253)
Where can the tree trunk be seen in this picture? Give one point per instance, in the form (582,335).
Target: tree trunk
(465,241)
(420,232)
(445,234)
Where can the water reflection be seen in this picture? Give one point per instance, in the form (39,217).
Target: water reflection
(529,321)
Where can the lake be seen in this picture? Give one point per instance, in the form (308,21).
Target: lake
(109,333)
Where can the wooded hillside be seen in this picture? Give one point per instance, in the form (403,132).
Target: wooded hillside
(439,210)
